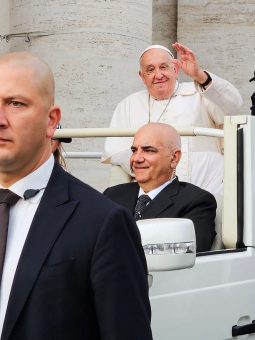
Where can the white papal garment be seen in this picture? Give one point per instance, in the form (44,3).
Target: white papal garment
(191,105)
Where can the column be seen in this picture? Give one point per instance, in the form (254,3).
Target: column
(93,48)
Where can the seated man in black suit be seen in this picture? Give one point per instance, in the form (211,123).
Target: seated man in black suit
(156,152)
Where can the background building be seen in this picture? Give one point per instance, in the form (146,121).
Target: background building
(93,49)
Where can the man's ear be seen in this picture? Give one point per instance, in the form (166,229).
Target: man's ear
(141,76)
(54,117)
(175,159)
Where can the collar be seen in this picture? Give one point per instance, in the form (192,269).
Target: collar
(37,179)
(153,193)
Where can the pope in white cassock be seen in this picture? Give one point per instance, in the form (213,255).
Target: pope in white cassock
(202,102)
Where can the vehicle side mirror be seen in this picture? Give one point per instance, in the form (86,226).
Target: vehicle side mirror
(168,243)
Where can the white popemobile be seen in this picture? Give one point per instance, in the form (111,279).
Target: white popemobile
(208,296)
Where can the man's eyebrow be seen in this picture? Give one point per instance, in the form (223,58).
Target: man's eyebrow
(149,148)
(145,148)
(161,64)
(16,96)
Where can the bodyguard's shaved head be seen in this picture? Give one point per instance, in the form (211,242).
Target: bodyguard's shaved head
(28,115)
(37,69)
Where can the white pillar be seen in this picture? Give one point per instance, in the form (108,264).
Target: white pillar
(93,48)
(222,35)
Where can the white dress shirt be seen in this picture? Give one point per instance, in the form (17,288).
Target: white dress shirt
(153,193)
(20,219)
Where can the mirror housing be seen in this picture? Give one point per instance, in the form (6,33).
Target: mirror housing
(168,243)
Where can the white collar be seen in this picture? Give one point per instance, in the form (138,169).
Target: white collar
(37,179)
(153,193)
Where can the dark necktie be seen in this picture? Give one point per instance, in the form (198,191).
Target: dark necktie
(7,199)
(141,204)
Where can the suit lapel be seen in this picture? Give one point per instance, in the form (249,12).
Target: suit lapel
(164,200)
(128,196)
(49,220)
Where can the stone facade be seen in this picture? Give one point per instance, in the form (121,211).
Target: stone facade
(93,49)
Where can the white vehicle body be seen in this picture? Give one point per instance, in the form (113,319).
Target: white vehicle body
(214,299)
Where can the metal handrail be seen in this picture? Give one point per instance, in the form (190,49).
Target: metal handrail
(110,132)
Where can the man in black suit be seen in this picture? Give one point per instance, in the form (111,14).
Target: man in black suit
(74,267)
(156,151)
